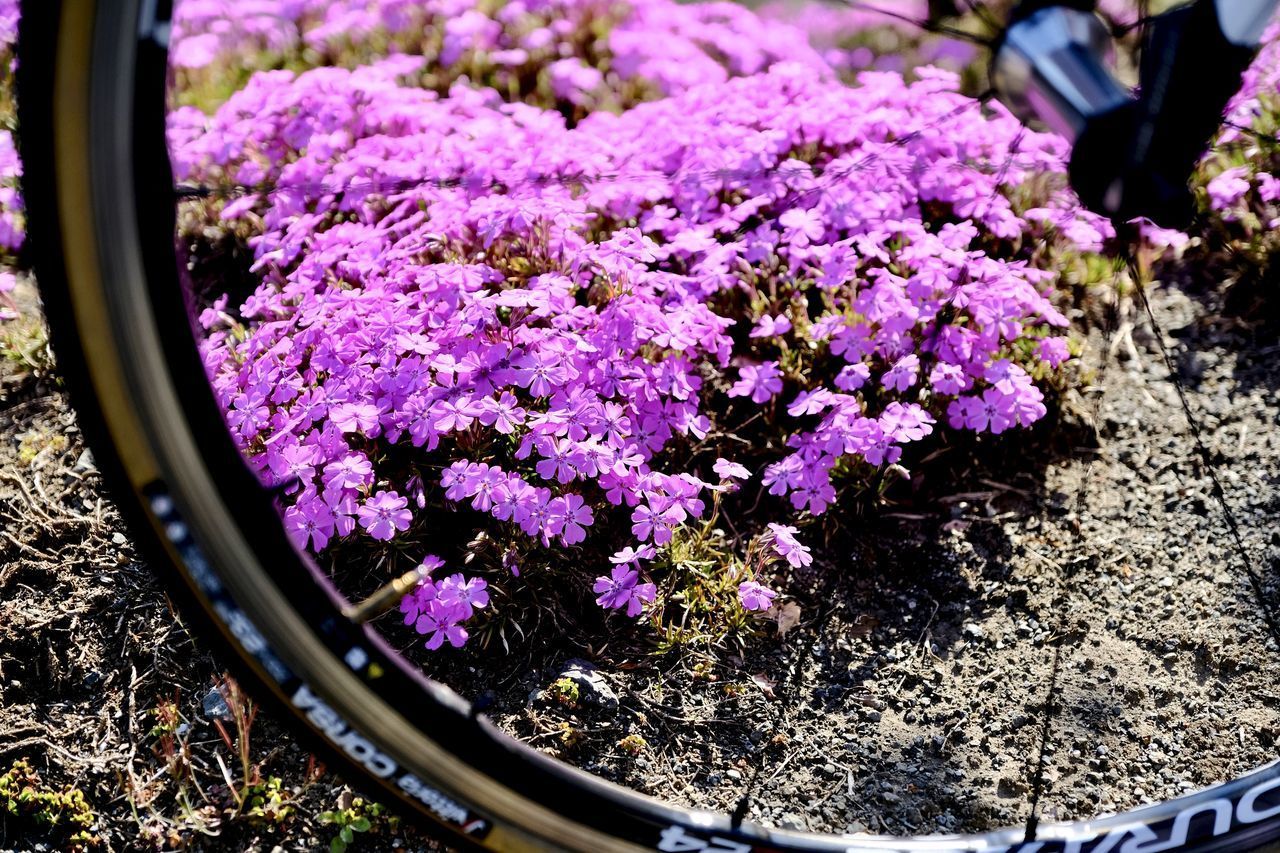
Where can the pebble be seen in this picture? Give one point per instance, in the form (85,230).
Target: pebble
(592,686)
(215,706)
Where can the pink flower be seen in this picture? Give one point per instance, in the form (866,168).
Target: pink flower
(343,506)
(853,376)
(561,462)
(755,597)
(463,595)
(949,379)
(902,375)
(802,226)
(633,555)
(355,417)
(455,415)
(759,382)
(440,623)
(1228,188)
(309,523)
(727,470)
(502,414)
(417,602)
(771,327)
(1053,351)
(648,522)
(622,589)
(570,516)
(810,403)
(352,471)
(786,546)
(384,514)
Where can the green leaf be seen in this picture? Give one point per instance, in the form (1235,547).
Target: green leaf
(327,817)
(345,835)
(361,824)
(337,845)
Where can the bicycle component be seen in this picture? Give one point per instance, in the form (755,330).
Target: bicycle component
(1133,155)
(1053,66)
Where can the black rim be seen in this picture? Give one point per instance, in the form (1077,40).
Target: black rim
(1241,815)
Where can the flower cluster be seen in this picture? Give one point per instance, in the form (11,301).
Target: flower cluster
(1239,176)
(436,608)
(1239,189)
(885,36)
(622,587)
(12,210)
(579,55)
(12,216)
(547,324)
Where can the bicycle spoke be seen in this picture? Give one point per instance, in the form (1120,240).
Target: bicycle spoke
(1256,134)
(925,25)
(1202,450)
(984,13)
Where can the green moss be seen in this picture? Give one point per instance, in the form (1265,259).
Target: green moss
(633,745)
(360,816)
(565,691)
(63,817)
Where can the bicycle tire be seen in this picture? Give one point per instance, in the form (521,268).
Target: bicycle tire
(91,107)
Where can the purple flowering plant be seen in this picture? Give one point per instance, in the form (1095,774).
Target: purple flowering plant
(536,286)
(1234,240)
(12,210)
(573,55)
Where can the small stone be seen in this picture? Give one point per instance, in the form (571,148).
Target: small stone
(85,464)
(215,706)
(592,686)
(735,775)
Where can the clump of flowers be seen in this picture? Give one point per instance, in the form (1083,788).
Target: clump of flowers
(546,323)
(12,209)
(888,35)
(575,55)
(13,227)
(1239,191)
(437,608)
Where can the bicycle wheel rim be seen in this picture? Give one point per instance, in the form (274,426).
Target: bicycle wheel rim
(104,253)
